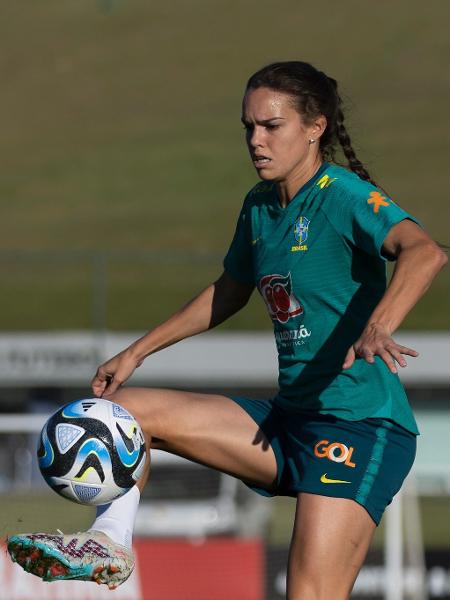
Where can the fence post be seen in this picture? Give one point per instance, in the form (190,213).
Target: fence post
(393,549)
(99,291)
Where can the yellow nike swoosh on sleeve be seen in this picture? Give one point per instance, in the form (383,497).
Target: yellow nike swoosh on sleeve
(325,479)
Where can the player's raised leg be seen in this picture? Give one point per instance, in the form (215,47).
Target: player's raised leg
(329,544)
(210,429)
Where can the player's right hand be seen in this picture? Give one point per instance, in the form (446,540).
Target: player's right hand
(114,372)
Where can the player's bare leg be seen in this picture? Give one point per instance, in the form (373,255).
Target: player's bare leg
(329,544)
(207,428)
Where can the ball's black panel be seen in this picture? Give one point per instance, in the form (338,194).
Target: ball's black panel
(40,450)
(60,487)
(92,461)
(126,440)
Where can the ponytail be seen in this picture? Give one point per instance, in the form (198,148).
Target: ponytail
(344,140)
(341,134)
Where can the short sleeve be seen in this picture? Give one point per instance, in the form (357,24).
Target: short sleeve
(238,261)
(365,215)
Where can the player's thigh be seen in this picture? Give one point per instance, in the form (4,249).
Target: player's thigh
(208,428)
(330,541)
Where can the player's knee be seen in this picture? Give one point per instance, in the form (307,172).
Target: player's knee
(310,592)
(316,586)
(149,411)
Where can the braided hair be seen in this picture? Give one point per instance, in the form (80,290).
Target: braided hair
(314,94)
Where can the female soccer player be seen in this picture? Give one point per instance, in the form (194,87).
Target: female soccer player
(313,237)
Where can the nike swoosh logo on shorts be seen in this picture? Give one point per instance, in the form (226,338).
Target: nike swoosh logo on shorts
(325,479)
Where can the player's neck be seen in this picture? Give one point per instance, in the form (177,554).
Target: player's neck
(290,187)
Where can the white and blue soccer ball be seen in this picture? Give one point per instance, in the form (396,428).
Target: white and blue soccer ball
(91,451)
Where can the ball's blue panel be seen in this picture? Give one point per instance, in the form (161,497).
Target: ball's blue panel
(86,493)
(96,447)
(67,435)
(77,409)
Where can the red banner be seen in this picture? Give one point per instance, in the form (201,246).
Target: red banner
(217,569)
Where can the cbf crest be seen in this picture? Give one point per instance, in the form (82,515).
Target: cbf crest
(301,227)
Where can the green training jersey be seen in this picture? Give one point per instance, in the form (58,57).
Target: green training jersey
(318,266)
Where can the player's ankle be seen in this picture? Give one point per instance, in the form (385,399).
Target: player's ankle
(117,519)
(115,530)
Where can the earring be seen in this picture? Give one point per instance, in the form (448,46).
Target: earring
(312,141)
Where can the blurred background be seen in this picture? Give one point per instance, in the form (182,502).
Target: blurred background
(123,171)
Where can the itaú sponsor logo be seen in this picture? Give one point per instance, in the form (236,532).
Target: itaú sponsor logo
(335,451)
(296,334)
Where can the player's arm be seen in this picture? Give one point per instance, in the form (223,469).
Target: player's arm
(418,260)
(212,306)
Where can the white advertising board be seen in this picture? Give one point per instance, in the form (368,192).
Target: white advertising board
(230,359)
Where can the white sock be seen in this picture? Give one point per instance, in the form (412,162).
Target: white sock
(117,518)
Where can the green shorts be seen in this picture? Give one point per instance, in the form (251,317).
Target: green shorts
(366,461)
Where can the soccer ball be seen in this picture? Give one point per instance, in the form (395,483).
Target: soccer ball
(91,451)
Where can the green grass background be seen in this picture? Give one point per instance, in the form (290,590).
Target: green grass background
(122,155)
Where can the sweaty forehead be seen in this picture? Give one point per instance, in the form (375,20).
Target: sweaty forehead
(264,103)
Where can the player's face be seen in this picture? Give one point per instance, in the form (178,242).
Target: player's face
(278,139)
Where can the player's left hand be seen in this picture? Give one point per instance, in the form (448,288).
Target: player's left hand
(376,340)
(114,372)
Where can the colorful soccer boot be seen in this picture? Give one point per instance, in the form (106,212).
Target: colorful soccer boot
(88,556)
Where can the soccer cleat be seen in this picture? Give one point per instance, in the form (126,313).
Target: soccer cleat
(88,556)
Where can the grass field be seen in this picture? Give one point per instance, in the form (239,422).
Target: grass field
(121,141)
